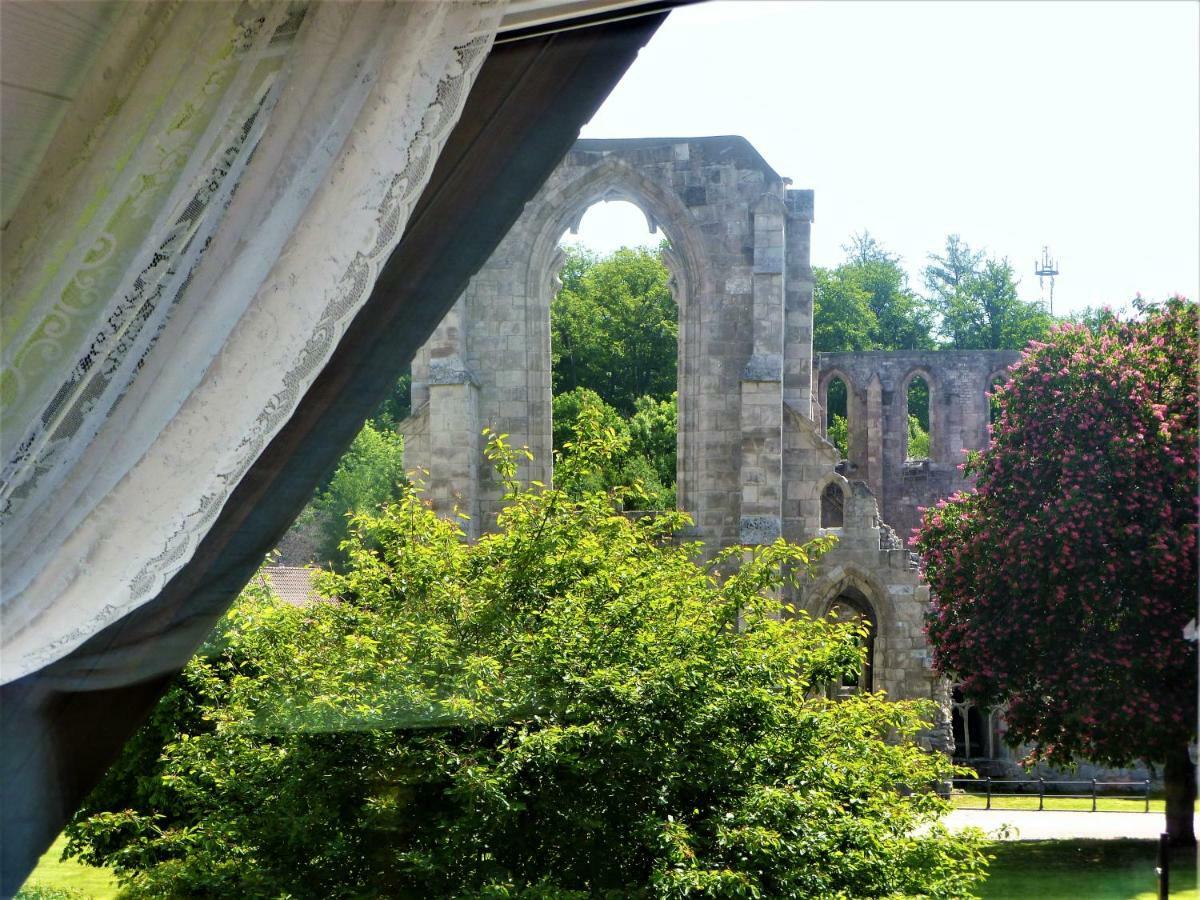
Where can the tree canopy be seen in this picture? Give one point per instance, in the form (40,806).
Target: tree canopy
(615,327)
(641,460)
(370,473)
(976,301)
(1063,583)
(574,706)
(866,304)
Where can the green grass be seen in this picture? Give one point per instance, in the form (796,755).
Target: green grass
(78,880)
(1084,870)
(1045,870)
(1104,804)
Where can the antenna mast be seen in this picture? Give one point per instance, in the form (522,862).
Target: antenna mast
(1047,268)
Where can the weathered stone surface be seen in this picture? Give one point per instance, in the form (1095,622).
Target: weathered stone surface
(759,529)
(877,391)
(741,277)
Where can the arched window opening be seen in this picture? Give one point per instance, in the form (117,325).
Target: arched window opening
(972,728)
(609,225)
(832,502)
(917,433)
(837,415)
(614,347)
(852,606)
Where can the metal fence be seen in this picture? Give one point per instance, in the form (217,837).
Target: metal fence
(1009,787)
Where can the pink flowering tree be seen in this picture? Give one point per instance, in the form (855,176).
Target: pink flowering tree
(1064,582)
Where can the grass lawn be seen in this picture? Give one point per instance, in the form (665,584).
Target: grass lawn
(1024,801)
(1084,870)
(1044,870)
(82,881)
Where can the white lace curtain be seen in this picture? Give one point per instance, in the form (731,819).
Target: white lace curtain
(209,218)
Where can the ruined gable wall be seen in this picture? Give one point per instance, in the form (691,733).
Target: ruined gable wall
(959,415)
(739,259)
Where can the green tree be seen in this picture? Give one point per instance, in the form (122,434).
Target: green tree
(1062,585)
(574,706)
(977,303)
(842,315)
(946,275)
(838,433)
(642,457)
(918,439)
(370,473)
(866,303)
(396,407)
(614,327)
(653,434)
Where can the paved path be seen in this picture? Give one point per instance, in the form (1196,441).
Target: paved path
(1029,825)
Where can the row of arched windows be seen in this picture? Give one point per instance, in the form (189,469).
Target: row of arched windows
(918,431)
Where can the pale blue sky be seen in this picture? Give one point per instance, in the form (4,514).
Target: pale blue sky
(1016,124)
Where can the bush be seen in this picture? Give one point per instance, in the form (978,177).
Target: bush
(640,460)
(573,706)
(35,891)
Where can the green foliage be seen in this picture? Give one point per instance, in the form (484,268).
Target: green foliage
(653,431)
(839,435)
(370,473)
(977,303)
(614,327)
(396,407)
(842,314)
(642,457)
(573,706)
(837,406)
(918,419)
(866,304)
(918,439)
(33,890)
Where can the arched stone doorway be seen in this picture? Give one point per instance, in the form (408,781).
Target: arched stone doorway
(852,605)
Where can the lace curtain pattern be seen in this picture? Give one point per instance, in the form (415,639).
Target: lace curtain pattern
(211,215)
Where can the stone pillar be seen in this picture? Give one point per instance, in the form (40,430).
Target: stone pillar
(798,286)
(762,383)
(874,435)
(453,422)
(455,453)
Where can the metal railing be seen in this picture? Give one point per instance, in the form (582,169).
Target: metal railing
(989,790)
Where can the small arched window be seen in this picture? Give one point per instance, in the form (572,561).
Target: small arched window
(917,434)
(832,502)
(837,415)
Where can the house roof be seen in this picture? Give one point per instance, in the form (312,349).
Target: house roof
(293,584)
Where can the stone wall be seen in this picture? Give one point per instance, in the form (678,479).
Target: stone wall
(868,563)
(740,264)
(877,399)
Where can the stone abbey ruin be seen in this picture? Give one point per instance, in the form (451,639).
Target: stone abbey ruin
(753,459)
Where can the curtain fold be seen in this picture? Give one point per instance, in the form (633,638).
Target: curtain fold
(184,268)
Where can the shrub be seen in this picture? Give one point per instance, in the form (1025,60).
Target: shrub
(574,706)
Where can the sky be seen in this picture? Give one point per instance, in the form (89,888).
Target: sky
(1014,124)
